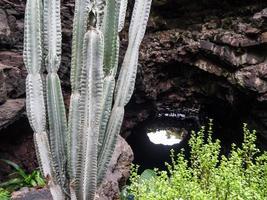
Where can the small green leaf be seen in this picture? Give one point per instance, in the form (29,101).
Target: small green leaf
(20,171)
(13,181)
(39,179)
(147,175)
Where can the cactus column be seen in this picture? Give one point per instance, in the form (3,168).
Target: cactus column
(35,103)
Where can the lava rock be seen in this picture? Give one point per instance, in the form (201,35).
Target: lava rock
(10,111)
(118,172)
(32,194)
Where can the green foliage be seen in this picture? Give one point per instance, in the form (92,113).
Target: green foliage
(207,175)
(21,179)
(4,194)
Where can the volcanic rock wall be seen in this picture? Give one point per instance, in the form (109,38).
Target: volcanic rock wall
(207,58)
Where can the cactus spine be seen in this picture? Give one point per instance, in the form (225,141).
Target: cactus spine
(74,155)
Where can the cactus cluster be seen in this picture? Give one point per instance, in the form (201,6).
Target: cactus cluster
(74,153)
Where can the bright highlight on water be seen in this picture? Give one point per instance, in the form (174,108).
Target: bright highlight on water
(167,136)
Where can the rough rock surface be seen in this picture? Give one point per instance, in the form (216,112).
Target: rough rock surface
(10,111)
(207,58)
(118,173)
(32,194)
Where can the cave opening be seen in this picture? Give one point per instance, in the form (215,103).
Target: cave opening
(227,118)
(176,96)
(153,139)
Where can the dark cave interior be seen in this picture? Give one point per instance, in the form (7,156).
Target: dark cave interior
(215,99)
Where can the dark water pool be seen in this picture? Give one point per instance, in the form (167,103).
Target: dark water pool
(153,139)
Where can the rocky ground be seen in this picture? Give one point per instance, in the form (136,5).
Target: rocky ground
(206,58)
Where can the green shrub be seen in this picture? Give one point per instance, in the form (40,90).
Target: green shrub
(206,175)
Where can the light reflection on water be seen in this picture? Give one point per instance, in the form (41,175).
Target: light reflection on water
(166,136)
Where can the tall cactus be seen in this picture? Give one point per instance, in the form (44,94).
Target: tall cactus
(74,155)
(35,104)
